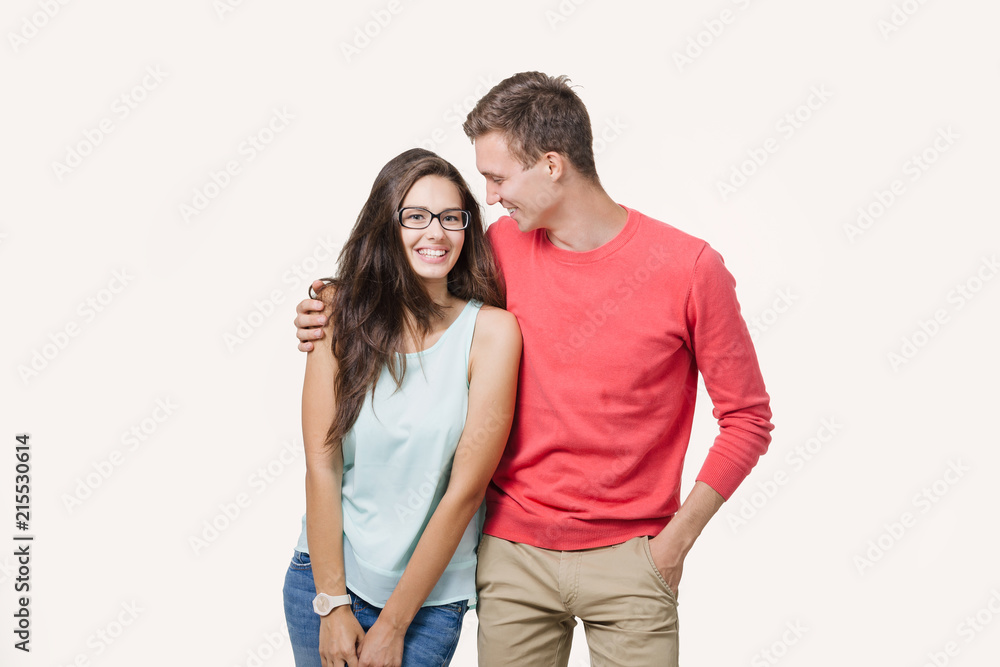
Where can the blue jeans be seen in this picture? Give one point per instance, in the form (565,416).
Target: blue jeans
(430,640)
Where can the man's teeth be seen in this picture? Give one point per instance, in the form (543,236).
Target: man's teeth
(431,253)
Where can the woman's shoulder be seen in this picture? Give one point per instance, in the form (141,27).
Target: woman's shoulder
(497,326)
(495,314)
(496,344)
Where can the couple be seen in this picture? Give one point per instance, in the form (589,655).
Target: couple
(410,414)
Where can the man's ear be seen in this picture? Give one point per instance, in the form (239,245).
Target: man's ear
(556,165)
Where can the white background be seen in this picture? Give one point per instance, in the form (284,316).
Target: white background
(670,132)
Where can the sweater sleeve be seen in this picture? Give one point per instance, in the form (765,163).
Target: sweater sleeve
(726,358)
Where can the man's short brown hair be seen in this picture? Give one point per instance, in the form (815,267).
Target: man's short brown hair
(536,113)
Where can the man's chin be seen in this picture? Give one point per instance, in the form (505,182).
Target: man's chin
(522,224)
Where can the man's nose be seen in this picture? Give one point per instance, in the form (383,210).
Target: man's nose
(492,196)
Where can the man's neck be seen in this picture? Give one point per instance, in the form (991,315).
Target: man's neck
(586,221)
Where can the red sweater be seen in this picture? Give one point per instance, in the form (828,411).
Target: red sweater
(614,339)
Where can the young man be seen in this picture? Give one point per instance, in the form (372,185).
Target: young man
(618,314)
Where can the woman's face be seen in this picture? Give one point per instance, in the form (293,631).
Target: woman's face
(433,251)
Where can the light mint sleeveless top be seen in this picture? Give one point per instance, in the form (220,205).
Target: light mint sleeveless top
(397,461)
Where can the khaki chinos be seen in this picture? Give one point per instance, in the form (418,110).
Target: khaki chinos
(529,599)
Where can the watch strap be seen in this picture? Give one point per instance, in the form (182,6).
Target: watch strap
(323,604)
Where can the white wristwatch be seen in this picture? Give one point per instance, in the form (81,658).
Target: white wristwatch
(323,604)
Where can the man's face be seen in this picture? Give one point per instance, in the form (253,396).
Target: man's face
(526,193)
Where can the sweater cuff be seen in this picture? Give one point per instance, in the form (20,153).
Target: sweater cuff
(722,475)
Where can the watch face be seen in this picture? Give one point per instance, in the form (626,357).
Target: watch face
(322,604)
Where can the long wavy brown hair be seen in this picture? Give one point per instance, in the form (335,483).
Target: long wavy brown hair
(376,288)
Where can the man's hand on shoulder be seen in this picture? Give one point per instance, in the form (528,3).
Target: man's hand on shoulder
(311,316)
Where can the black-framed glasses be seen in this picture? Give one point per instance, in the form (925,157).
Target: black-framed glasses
(414,217)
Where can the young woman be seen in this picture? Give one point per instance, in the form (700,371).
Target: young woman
(405,413)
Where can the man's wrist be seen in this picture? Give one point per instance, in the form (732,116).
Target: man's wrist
(681,533)
(673,543)
(686,525)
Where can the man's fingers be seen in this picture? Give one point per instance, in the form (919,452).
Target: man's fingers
(309,323)
(309,334)
(310,306)
(308,320)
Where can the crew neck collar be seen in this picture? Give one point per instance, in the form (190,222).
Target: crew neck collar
(599,253)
